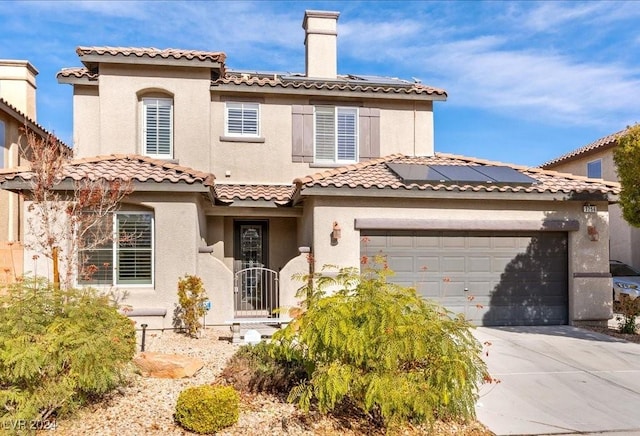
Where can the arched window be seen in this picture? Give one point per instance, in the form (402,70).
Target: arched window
(157,127)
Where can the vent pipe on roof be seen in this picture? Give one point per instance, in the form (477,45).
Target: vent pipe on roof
(320,40)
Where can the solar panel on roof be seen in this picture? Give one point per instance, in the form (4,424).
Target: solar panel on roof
(459,173)
(416,173)
(506,175)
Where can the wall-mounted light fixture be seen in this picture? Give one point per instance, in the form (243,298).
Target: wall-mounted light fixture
(592,231)
(337,231)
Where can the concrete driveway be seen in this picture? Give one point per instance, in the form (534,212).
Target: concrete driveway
(559,380)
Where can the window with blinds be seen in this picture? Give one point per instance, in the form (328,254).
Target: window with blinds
(125,260)
(157,129)
(336,134)
(242,119)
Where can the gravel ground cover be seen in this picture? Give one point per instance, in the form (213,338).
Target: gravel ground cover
(145,406)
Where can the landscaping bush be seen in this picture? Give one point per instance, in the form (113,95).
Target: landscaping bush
(191,298)
(253,369)
(207,409)
(629,310)
(382,348)
(58,349)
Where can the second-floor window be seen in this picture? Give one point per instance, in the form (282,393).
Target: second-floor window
(336,134)
(594,169)
(157,130)
(242,119)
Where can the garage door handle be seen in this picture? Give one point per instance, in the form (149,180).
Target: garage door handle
(466,289)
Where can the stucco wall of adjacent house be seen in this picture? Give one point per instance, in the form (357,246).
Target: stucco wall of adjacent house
(589,297)
(579,166)
(624,239)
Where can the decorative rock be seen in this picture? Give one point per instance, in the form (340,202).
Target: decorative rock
(161,365)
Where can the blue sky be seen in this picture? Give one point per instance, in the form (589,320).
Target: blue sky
(527,81)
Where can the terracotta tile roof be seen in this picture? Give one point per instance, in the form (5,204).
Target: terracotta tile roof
(280,194)
(371,84)
(22,118)
(124,167)
(149,52)
(375,174)
(79,73)
(600,144)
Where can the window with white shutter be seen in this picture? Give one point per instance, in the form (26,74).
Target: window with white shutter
(127,259)
(242,119)
(336,134)
(157,129)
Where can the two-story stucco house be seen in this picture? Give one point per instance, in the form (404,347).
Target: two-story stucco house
(595,160)
(17,113)
(243,178)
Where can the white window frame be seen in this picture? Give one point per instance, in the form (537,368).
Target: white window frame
(353,136)
(159,101)
(116,250)
(245,109)
(591,167)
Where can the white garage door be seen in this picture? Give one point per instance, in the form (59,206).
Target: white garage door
(494,278)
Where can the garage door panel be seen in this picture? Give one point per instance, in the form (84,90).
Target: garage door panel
(478,264)
(401,264)
(515,279)
(452,264)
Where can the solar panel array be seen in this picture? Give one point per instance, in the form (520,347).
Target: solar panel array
(489,174)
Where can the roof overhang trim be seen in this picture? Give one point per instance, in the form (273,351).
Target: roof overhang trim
(282,90)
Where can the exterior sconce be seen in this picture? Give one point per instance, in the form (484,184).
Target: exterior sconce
(593,233)
(336,233)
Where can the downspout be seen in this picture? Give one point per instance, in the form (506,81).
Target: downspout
(11,228)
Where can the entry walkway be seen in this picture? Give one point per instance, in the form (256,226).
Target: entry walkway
(559,380)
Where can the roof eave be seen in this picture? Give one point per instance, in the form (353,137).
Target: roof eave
(92,60)
(442,194)
(270,89)
(74,80)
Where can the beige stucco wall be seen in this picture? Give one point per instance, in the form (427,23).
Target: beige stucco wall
(589,298)
(107,120)
(624,239)
(18,85)
(579,166)
(10,203)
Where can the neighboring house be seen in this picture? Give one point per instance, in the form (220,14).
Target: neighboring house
(324,168)
(595,160)
(17,113)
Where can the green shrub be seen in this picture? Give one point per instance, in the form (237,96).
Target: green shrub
(384,349)
(58,349)
(253,369)
(191,298)
(207,409)
(628,309)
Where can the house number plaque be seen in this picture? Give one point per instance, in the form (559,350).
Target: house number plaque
(589,208)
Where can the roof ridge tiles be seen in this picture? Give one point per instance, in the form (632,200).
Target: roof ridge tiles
(29,120)
(603,142)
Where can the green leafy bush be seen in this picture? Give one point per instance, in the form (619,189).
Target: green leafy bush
(58,349)
(628,309)
(253,369)
(191,298)
(207,409)
(382,348)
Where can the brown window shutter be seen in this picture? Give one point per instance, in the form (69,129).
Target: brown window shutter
(369,133)
(302,133)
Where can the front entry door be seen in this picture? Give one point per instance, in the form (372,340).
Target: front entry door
(250,244)
(255,286)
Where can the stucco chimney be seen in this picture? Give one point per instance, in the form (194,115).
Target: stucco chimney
(320,40)
(18,85)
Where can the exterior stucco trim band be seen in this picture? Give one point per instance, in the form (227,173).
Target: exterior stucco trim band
(458,224)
